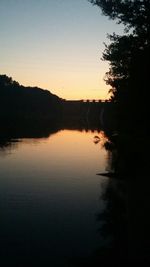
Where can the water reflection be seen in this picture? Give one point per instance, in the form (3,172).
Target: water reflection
(124,222)
(55,209)
(49,195)
(11,134)
(126,217)
(6,145)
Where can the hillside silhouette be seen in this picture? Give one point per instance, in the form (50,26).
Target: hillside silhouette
(19,103)
(27,110)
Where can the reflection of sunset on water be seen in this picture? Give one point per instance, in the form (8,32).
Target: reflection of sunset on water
(52,184)
(66,150)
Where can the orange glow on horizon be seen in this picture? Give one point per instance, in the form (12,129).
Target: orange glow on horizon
(69,86)
(58,49)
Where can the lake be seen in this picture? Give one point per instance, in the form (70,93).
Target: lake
(50,195)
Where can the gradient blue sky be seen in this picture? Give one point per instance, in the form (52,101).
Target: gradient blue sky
(56,45)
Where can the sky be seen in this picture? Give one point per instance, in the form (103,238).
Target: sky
(55,45)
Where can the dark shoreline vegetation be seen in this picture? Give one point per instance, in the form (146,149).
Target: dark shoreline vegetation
(128,57)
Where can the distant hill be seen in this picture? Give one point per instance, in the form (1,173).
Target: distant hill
(20,103)
(30,110)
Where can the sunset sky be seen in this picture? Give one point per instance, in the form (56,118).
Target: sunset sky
(55,45)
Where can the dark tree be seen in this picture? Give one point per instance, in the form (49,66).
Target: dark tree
(128,56)
(132,13)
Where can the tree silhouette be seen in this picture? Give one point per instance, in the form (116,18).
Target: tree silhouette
(132,13)
(128,56)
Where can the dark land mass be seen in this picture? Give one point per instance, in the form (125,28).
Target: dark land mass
(32,111)
(19,103)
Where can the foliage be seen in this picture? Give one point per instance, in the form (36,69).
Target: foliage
(132,13)
(128,56)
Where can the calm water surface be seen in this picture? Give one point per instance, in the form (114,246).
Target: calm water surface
(49,197)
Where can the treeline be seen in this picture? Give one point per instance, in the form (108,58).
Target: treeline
(128,56)
(19,103)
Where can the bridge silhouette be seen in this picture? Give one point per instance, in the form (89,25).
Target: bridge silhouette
(86,111)
(87,101)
